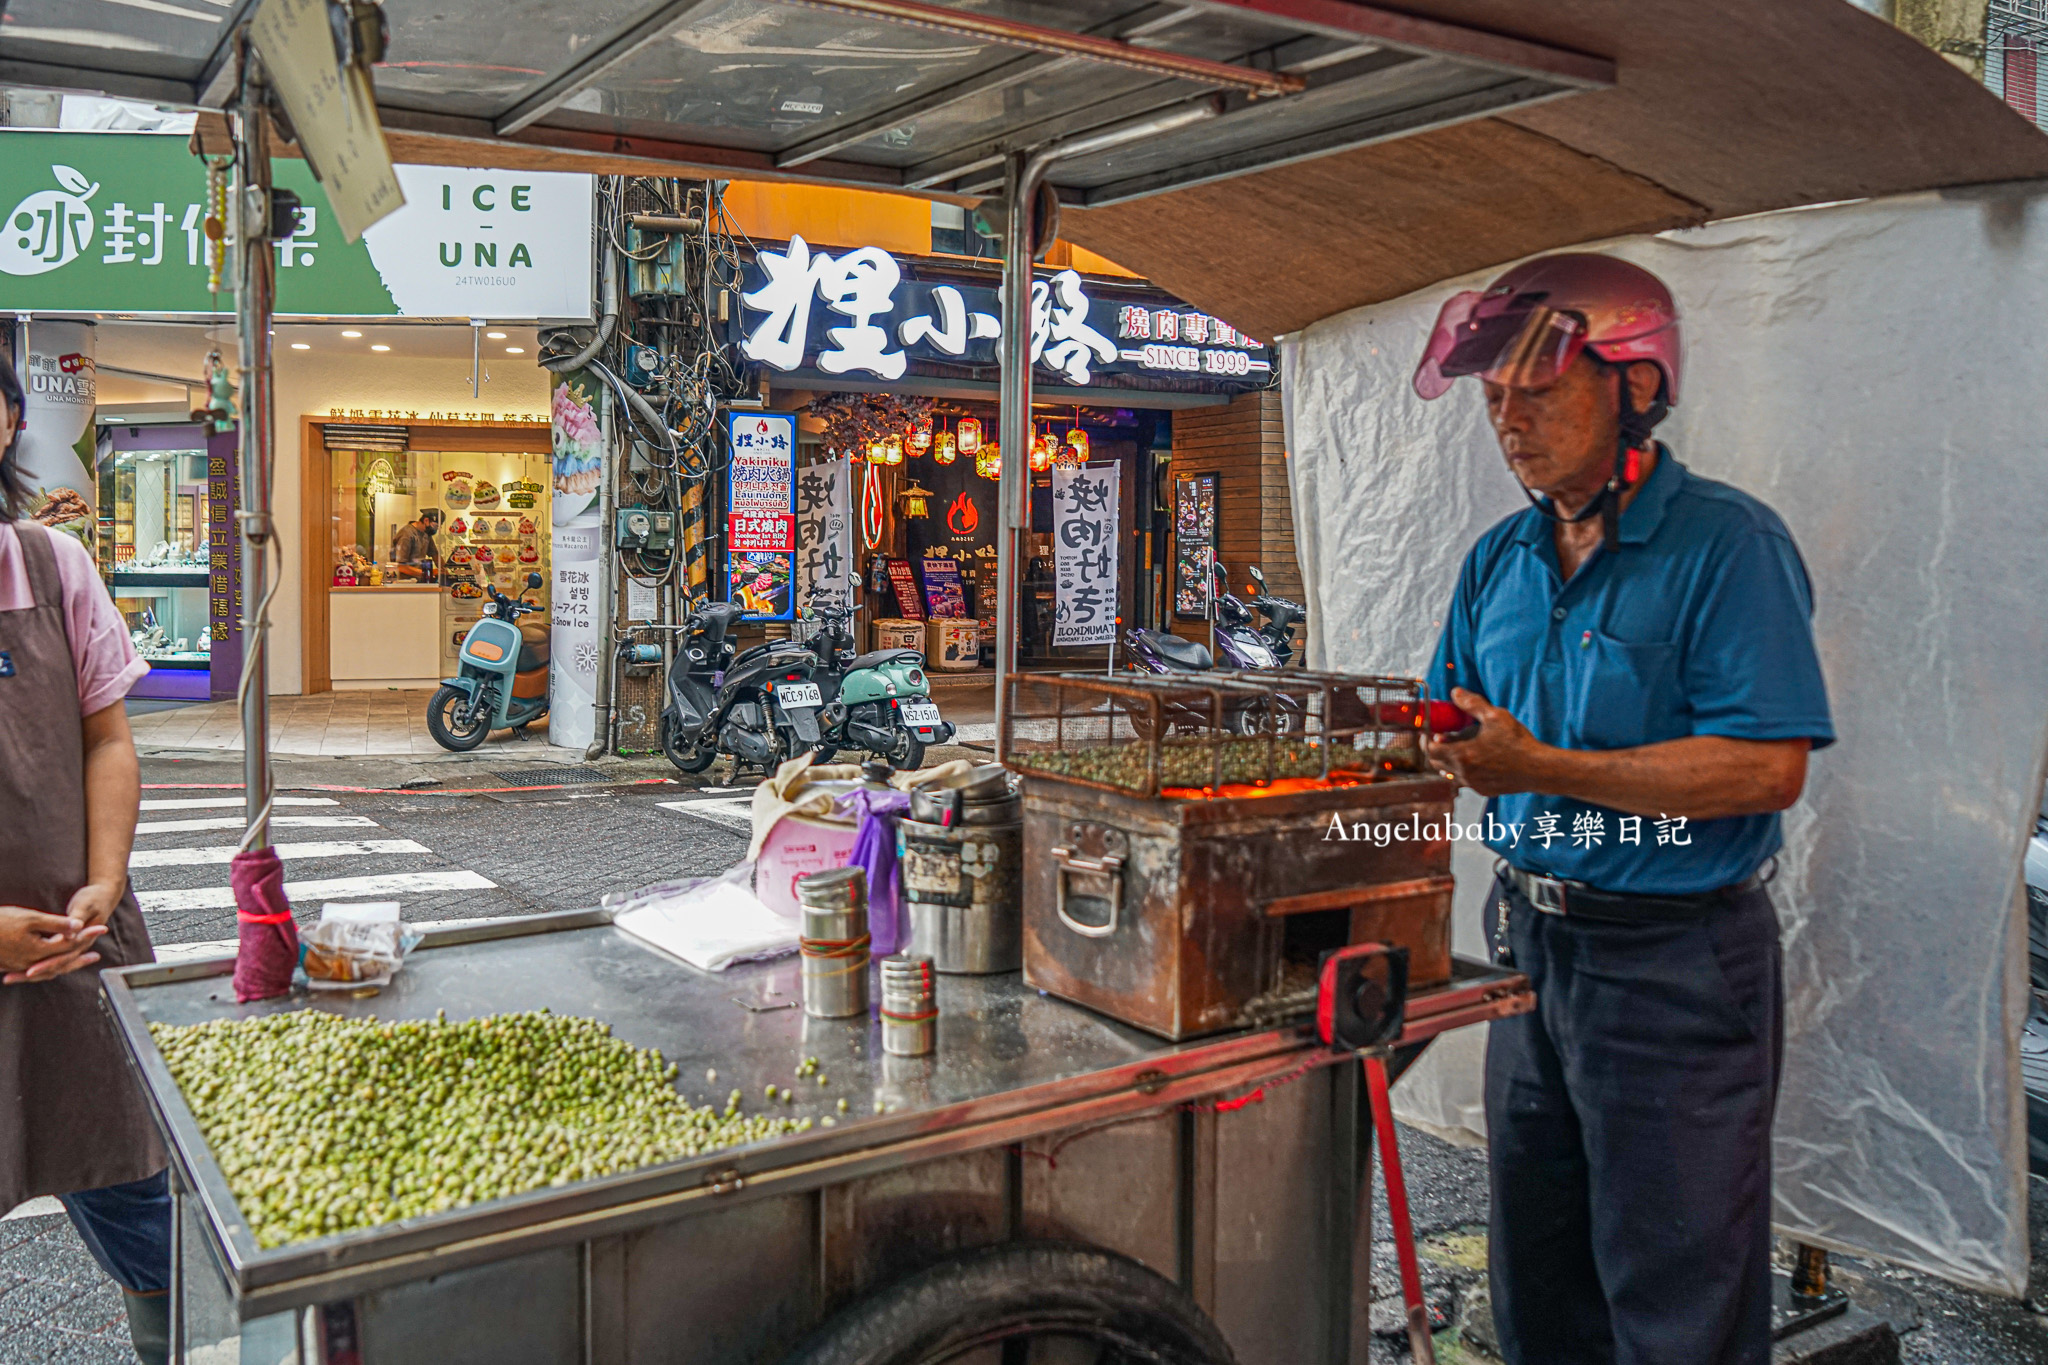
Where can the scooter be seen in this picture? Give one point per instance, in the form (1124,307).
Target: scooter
(1282,616)
(1242,647)
(761,707)
(879,701)
(503,680)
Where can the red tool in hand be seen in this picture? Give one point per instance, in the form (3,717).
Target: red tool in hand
(1361,1004)
(1440,720)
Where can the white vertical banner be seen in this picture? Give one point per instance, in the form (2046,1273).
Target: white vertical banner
(824,535)
(581,423)
(1084,532)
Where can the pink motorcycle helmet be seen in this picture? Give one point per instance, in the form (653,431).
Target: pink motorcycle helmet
(1528,326)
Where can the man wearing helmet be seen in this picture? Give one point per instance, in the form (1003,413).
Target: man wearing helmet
(1636,650)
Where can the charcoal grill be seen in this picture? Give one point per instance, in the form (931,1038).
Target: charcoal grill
(1190,844)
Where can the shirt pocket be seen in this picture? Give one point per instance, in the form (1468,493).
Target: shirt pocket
(1625,692)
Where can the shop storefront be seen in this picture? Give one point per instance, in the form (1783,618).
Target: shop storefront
(405,383)
(889,365)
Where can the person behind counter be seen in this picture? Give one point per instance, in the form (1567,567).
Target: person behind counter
(73,1121)
(413,551)
(1637,650)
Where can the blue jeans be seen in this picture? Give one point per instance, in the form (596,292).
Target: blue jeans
(127,1228)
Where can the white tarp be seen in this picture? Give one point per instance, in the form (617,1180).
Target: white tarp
(1872,371)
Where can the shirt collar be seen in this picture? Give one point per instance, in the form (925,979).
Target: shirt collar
(1639,520)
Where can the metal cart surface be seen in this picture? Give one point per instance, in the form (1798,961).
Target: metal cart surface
(1235,1165)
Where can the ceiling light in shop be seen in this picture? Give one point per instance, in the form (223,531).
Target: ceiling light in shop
(515,350)
(495,336)
(300,346)
(380,346)
(351,334)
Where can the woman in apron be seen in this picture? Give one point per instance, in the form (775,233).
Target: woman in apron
(73,1122)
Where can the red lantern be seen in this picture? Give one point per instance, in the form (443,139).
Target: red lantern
(920,438)
(1077,441)
(1041,454)
(969,436)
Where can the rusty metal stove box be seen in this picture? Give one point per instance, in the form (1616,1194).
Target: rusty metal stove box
(1186,911)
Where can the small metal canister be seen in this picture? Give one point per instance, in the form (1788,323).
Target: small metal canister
(835,942)
(910,1010)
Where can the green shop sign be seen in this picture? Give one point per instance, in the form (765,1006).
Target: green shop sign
(111,223)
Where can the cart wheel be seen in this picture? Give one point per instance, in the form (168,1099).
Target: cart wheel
(1037,1303)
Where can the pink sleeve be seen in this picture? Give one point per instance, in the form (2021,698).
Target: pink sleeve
(100,648)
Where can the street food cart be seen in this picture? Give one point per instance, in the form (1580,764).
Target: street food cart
(1272,161)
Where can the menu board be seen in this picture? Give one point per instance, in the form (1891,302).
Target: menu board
(909,600)
(760,557)
(945,595)
(1194,544)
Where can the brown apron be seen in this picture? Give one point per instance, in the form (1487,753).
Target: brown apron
(72,1116)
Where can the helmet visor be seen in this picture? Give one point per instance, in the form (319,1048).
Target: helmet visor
(1500,338)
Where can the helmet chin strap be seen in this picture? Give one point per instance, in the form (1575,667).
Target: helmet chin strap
(1631,439)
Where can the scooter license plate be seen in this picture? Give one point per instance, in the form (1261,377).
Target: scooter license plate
(798,694)
(918,713)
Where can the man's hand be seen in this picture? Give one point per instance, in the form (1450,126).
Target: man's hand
(35,946)
(94,903)
(1503,757)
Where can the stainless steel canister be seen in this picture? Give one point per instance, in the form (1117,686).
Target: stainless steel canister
(835,942)
(962,885)
(910,1010)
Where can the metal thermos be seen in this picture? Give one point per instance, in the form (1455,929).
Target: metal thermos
(910,1010)
(960,855)
(834,942)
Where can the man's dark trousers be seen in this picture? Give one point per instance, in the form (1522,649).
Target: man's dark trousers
(1629,1119)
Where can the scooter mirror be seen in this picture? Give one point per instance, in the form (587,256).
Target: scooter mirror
(533,580)
(1257,577)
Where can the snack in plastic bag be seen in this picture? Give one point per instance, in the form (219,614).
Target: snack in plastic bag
(355,947)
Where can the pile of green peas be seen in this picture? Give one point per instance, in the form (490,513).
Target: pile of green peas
(324,1125)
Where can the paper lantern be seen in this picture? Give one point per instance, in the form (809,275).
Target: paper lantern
(917,501)
(969,436)
(1077,441)
(1041,454)
(876,455)
(920,438)
(988,461)
(943,449)
(892,450)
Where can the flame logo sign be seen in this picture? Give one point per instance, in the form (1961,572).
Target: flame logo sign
(961,518)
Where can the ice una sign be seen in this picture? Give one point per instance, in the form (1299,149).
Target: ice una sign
(484,198)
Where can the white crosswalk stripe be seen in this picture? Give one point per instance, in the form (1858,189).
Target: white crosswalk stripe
(225,853)
(332,888)
(733,812)
(236,822)
(224,802)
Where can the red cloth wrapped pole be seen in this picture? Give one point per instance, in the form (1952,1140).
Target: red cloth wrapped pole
(268,951)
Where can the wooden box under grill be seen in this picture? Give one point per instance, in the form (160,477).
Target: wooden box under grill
(1186,917)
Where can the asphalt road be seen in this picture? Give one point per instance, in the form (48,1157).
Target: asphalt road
(483,841)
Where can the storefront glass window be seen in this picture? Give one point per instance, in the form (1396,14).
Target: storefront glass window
(153,544)
(422,521)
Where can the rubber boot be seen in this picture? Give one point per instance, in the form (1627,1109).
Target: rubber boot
(149,1325)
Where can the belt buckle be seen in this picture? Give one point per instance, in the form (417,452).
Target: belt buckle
(1545,893)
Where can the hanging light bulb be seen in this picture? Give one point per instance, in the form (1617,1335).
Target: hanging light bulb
(920,438)
(892,450)
(917,501)
(970,436)
(943,449)
(1041,454)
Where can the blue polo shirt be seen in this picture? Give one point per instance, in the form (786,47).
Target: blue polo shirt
(1701,624)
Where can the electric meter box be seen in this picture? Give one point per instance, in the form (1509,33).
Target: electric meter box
(645,529)
(643,365)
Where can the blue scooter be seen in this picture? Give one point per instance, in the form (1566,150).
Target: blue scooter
(504,677)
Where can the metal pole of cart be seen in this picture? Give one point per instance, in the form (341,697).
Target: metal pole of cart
(1023,173)
(254,293)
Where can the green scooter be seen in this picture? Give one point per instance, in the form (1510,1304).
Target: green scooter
(880,701)
(504,677)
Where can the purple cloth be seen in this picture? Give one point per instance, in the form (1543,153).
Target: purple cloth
(874,852)
(268,951)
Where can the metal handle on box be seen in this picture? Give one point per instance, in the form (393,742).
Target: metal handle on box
(1109,867)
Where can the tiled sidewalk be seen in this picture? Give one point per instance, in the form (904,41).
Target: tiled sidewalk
(56,1308)
(389,723)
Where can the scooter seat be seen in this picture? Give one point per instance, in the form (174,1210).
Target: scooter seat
(1178,652)
(533,646)
(876,658)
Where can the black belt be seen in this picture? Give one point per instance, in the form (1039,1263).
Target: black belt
(1576,900)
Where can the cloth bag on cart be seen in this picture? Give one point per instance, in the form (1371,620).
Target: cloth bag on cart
(1866,369)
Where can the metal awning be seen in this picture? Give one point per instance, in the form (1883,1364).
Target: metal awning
(880,94)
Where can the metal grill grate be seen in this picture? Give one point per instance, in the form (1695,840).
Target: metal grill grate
(552,776)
